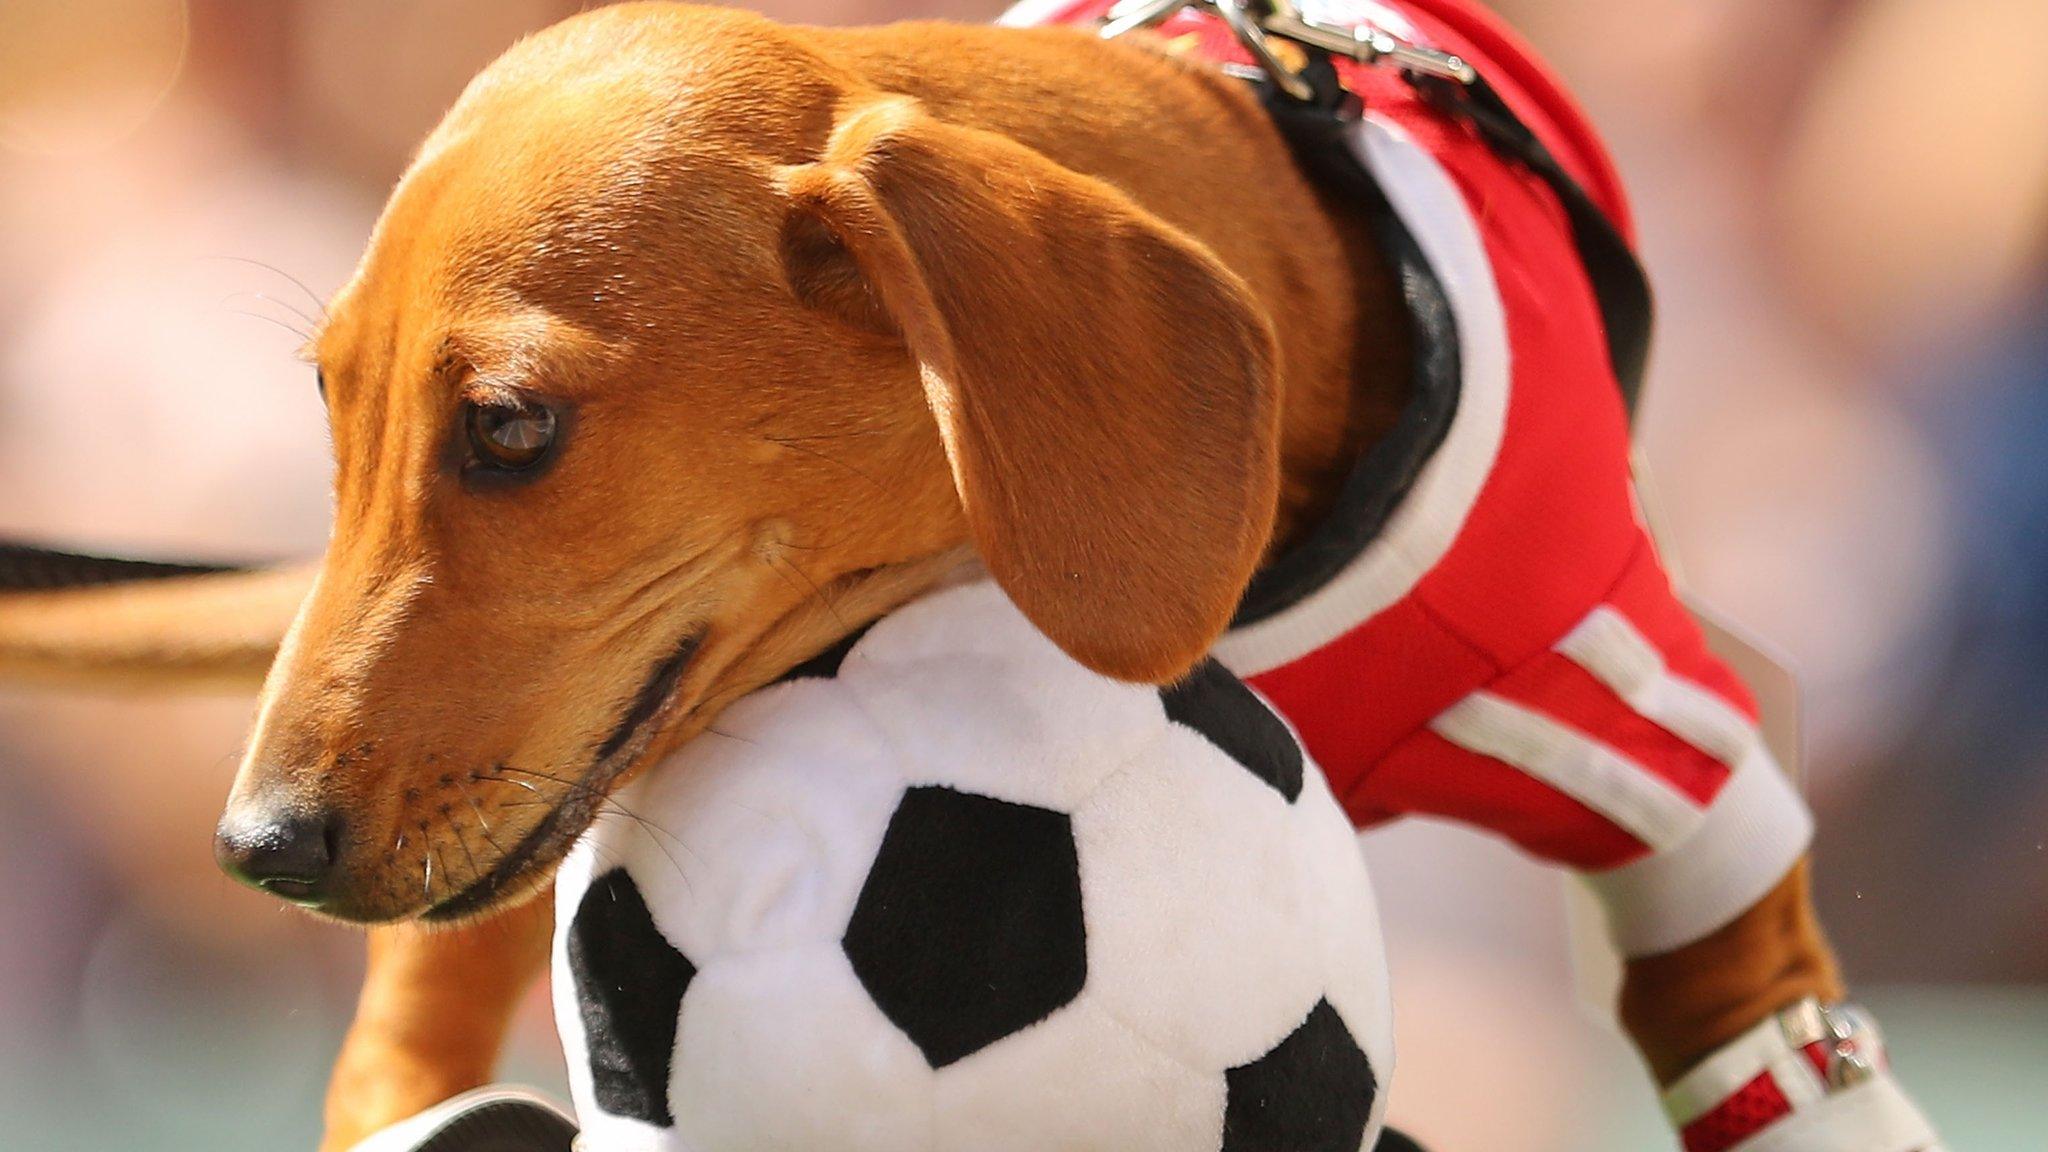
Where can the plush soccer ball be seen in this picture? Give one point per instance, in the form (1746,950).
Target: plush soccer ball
(944,889)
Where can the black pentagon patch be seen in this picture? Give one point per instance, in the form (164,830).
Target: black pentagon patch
(629,988)
(969,925)
(1312,1093)
(1219,706)
(1392,1141)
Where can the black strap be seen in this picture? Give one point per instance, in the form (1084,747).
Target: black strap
(1619,286)
(25,568)
(1394,1141)
(1316,133)
(1620,289)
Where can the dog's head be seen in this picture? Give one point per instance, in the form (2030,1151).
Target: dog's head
(681,348)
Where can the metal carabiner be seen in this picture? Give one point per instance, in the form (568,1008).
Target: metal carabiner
(1132,15)
(1252,35)
(1256,22)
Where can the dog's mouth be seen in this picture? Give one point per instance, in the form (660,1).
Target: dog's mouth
(537,853)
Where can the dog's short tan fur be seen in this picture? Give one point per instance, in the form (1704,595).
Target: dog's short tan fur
(823,310)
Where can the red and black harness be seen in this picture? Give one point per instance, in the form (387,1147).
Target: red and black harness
(1317,114)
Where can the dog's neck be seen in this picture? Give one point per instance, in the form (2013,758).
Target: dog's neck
(1379,382)
(1307,253)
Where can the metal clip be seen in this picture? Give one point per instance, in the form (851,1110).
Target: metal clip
(1805,1023)
(1841,1032)
(1251,33)
(1253,21)
(1848,1063)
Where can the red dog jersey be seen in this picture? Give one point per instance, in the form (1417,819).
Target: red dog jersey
(1483,630)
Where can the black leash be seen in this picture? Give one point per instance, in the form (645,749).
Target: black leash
(1619,285)
(26,568)
(1620,288)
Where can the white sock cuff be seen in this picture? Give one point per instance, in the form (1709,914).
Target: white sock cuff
(1756,829)
(1812,1102)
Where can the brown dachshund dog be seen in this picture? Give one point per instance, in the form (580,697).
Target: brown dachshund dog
(691,342)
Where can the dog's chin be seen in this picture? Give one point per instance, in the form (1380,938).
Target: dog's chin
(528,866)
(505,885)
(526,869)
(518,874)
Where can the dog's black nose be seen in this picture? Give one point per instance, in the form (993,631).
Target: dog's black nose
(289,854)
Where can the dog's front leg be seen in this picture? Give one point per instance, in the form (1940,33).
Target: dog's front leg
(435,1005)
(1746,1031)
(1682,1005)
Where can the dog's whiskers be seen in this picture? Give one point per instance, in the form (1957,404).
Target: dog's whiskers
(295,282)
(483,825)
(474,872)
(655,832)
(298,332)
(311,323)
(575,787)
(817,593)
(502,768)
(607,805)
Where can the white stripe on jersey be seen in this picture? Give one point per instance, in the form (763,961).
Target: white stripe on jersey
(1641,802)
(1611,648)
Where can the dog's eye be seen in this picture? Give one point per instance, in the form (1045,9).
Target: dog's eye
(510,438)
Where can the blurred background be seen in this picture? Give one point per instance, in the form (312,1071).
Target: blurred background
(1845,214)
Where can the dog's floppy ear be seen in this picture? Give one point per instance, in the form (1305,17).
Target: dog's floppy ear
(1105,388)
